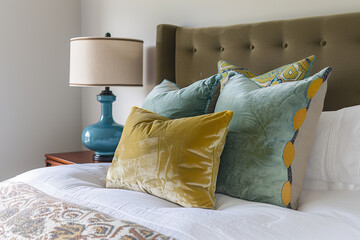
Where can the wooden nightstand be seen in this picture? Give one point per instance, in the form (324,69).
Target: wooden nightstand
(55,159)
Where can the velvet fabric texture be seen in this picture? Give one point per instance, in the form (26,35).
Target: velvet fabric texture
(270,137)
(169,100)
(290,72)
(177,160)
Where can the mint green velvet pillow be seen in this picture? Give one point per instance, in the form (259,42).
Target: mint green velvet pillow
(171,101)
(270,137)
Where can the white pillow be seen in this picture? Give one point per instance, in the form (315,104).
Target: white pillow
(334,162)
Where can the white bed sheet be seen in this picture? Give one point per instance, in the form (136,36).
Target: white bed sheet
(322,214)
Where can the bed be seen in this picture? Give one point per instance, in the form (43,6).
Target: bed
(71,202)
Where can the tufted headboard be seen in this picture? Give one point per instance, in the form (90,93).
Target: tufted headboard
(185,55)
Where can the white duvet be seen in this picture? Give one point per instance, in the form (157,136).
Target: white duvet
(322,214)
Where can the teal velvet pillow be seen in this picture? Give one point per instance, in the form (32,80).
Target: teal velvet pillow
(270,137)
(171,101)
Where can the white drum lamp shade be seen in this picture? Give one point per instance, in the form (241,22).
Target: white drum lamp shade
(106,61)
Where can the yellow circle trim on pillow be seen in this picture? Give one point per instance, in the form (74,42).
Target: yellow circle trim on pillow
(288,154)
(314,87)
(286,193)
(299,118)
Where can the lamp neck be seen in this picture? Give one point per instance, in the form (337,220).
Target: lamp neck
(106,98)
(106,91)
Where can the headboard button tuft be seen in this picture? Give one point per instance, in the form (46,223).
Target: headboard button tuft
(322,43)
(284,45)
(194,50)
(251,47)
(221,49)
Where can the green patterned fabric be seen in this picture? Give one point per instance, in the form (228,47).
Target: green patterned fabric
(290,72)
(171,101)
(269,125)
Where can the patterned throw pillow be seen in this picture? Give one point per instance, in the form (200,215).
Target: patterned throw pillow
(290,72)
(169,100)
(177,159)
(225,66)
(270,137)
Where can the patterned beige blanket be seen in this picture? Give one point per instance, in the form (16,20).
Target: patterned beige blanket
(27,213)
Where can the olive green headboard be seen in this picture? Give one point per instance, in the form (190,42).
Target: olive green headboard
(185,55)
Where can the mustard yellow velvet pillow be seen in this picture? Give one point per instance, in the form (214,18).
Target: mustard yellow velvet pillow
(177,159)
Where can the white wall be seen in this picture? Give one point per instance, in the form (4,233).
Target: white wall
(40,113)
(138,19)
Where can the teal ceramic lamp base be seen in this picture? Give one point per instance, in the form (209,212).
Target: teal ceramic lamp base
(103,136)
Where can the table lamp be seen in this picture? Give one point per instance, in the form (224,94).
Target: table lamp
(105,61)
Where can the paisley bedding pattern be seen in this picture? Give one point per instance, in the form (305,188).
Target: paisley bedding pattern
(27,213)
